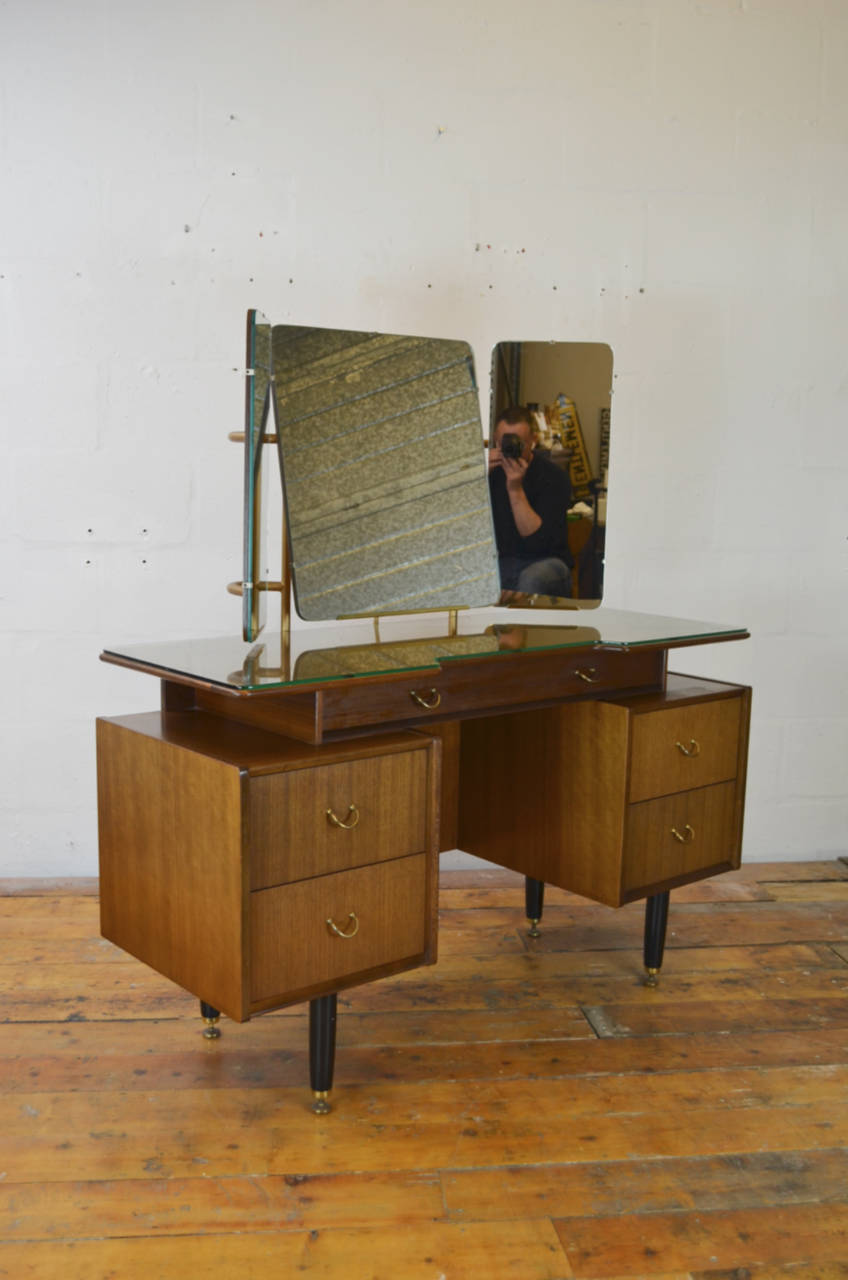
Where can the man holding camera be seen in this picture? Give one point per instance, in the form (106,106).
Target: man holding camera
(530,498)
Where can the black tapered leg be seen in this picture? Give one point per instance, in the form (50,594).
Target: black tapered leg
(534,901)
(322,1049)
(656,919)
(210,1016)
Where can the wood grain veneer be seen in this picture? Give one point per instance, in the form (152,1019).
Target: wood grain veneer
(658,766)
(293,949)
(292,837)
(448,733)
(459,688)
(477,686)
(172,883)
(293,713)
(194,808)
(652,854)
(547,792)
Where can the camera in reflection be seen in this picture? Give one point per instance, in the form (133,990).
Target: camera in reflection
(511,445)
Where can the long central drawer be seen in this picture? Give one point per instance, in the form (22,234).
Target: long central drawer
(463,687)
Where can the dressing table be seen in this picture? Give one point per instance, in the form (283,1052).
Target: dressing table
(270,834)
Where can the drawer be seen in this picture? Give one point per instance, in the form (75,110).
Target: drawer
(677,748)
(706,820)
(309,822)
(464,686)
(292,947)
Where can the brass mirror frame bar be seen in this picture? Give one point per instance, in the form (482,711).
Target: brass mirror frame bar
(283,586)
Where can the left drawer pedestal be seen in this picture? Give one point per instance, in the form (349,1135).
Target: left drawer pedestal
(256,871)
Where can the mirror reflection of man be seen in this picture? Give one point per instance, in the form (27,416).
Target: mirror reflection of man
(530,498)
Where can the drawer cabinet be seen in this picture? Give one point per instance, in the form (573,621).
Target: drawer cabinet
(256,871)
(676,748)
(615,799)
(677,836)
(309,822)
(321,930)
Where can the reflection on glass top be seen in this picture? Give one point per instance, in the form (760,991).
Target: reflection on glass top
(343,652)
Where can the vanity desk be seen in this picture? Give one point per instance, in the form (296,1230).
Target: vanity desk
(270,835)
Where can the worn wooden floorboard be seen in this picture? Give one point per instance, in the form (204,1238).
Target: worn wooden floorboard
(527,1250)
(642,1245)
(118,992)
(272,1054)
(525,1109)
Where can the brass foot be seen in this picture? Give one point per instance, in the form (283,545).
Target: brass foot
(534,931)
(211,1031)
(652,977)
(320,1105)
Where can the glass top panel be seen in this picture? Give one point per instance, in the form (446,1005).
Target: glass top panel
(345,652)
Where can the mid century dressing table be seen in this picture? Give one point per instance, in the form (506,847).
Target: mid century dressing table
(271,834)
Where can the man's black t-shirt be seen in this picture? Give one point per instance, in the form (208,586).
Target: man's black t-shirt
(548,491)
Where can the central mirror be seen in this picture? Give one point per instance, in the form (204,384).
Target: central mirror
(384,473)
(392,503)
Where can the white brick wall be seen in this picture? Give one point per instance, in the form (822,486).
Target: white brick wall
(668,176)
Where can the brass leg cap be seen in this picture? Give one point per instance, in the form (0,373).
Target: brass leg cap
(534,931)
(320,1105)
(652,977)
(211,1031)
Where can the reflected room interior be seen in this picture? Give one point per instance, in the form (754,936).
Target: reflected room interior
(567,386)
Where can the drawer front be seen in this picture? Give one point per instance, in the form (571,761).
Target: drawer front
(292,947)
(706,827)
(463,687)
(678,748)
(309,822)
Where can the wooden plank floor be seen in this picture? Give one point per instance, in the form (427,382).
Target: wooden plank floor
(525,1109)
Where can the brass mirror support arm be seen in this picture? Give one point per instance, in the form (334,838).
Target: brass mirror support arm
(237,437)
(284,584)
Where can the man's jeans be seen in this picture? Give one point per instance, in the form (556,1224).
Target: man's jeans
(551,577)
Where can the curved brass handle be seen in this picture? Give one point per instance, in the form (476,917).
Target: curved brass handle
(694,748)
(686,837)
(431,700)
(352,814)
(340,933)
(588,674)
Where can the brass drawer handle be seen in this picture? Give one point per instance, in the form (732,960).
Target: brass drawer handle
(686,837)
(340,933)
(694,748)
(346,824)
(589,674)
(430,700)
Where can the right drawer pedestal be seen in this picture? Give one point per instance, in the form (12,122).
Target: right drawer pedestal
(615,799)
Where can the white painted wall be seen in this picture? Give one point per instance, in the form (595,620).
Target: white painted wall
(668,176)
